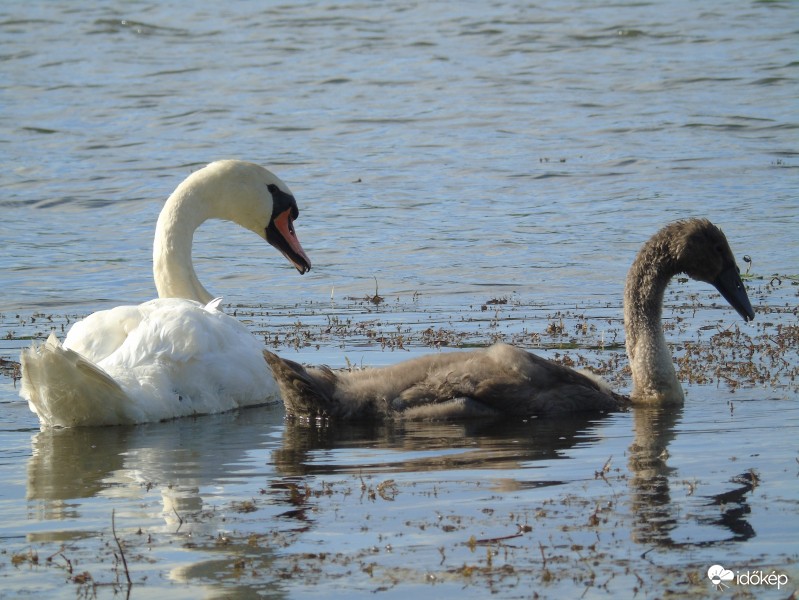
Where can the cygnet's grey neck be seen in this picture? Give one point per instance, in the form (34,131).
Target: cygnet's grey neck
(653,374)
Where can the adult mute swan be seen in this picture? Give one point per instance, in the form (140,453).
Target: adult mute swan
(503,380)
(177,355)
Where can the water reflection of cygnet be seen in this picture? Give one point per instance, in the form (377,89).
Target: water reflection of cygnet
(656,515)
(428,446)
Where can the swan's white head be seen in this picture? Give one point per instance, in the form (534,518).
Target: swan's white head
(256,199)
(245,193)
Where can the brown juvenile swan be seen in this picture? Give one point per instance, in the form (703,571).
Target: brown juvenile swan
(503,380)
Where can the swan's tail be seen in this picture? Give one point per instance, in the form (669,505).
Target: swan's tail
(305,393)
(66,390)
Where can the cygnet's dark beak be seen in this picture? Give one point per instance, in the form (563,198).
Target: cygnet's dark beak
(730,286)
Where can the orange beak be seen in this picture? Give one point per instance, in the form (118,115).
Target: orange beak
(281,235)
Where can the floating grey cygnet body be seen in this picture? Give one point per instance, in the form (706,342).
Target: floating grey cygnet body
(506,381)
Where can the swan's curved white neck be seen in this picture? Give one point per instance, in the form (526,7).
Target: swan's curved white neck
(230,190)
(184,211)
(654,378)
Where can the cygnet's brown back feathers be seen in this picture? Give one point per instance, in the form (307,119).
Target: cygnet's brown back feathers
(500,380)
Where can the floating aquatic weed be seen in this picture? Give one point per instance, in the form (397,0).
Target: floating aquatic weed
(244,506)
(28,557)
(732,357)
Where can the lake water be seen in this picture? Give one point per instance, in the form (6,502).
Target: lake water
(492,168)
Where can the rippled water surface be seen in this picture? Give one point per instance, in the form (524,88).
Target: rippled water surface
(490,168)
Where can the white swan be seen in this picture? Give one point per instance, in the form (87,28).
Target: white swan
(503,380)
(177,355)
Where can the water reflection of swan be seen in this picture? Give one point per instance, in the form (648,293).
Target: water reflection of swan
(503,380)
(182,461)
(177,458)
(176,355)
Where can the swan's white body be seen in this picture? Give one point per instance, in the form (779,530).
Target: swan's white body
(159,360)
(177,355)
